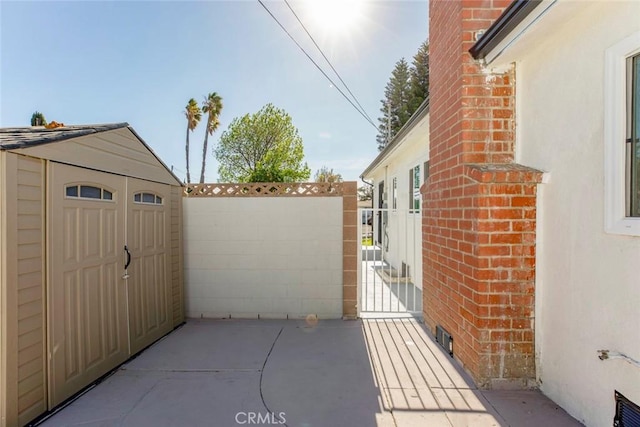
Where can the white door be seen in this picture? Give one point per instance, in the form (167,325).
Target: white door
(88,331)
(148,242)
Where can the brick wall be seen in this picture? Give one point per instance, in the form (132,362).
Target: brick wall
(479,215)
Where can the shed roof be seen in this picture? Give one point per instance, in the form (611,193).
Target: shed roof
(110,147)
(23,137)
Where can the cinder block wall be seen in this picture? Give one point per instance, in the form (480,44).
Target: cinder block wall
(268,256)
(479,206)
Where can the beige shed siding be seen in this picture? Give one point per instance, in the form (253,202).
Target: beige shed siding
(176,256)
(30,287)
(23,199)
(118,151)
(3,309)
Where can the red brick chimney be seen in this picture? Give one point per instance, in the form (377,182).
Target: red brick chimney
(479,217)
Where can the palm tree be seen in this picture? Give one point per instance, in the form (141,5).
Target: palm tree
(193,114)
(211,105)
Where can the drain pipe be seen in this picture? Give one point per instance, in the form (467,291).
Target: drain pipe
(370,184)
(608,354)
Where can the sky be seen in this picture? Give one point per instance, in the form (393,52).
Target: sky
(88,62)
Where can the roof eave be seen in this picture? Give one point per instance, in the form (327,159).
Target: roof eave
(419,114)
(510,18)
(155,155)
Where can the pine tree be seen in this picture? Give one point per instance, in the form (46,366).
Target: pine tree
(37,119)
(419,77)
(395,106)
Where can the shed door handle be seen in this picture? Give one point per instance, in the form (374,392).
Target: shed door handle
(126,265)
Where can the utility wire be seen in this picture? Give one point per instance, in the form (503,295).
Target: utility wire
(317,66)
(327,59)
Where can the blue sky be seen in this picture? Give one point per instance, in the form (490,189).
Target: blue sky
(83,62)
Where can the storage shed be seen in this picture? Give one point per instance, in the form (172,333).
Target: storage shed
(90,259)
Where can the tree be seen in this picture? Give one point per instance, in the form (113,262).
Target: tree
(212,106)
(365,193)
(37,119)
(262,147)
(324,174)
(193,114)
(395,105)
(419,77)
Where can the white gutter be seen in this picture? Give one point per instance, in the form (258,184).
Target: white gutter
(517,32)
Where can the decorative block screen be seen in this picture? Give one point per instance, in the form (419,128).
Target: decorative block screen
(264,189)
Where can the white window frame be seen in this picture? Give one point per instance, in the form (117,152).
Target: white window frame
(615,135)
(79,186)
(394,193)
(415,191)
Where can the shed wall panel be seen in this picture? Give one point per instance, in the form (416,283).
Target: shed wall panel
(177,287)
(30,286)
(3,287)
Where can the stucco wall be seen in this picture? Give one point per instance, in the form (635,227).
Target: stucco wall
(404,228)
(272,257)
(587,287)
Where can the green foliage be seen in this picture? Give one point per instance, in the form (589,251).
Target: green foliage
(324,174)
(193,114)
(395,105)
(37,119)
(365,193)
(407,88)
(419,79)
(212,106)
(262,147)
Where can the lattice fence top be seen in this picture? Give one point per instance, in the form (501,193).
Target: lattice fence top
(265,189)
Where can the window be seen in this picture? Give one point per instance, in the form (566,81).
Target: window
(622,137)
(414,189)
(87,192)
(147,198)
(394,194)
(632,152)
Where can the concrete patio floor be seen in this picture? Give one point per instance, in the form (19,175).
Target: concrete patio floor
(384,373)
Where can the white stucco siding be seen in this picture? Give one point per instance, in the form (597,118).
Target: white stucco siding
(404,229)
(273,257)
(588,282)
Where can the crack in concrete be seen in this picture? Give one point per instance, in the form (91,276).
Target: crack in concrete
(262,373)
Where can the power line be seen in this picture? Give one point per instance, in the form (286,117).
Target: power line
(327,59)
(317,66)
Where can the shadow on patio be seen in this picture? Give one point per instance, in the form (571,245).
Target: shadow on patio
(333,373)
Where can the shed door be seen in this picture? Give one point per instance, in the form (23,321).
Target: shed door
(148,241)
(88,331)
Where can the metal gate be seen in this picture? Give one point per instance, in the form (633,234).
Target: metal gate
(390,263)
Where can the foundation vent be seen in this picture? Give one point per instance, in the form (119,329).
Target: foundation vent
(444,339)
(627,412)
